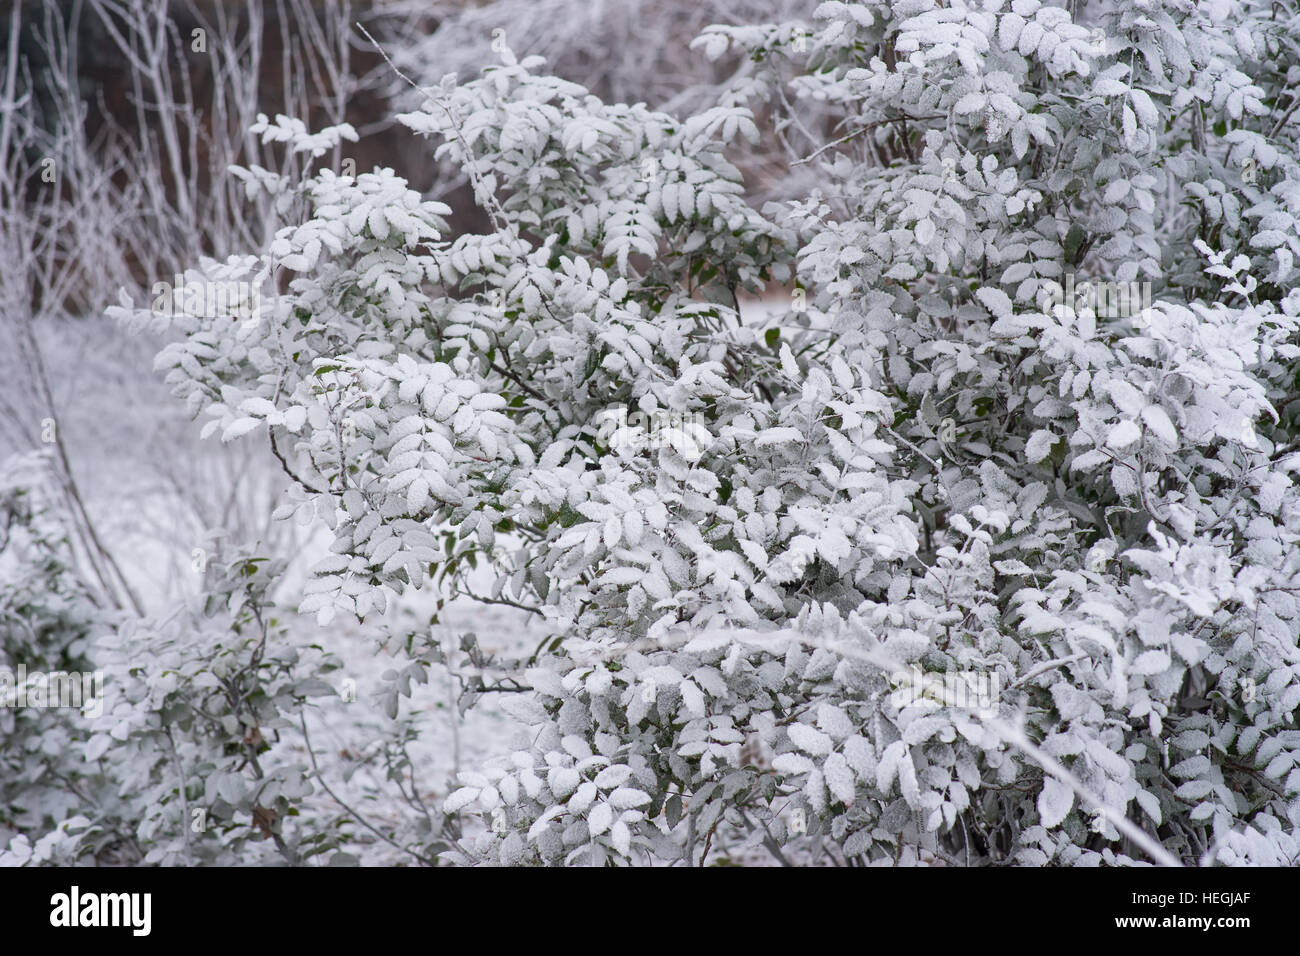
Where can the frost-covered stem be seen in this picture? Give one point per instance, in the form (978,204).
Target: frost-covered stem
(289,471)
(1045,667)
(453,713)
(153,68)
(862,129)
(769,842)
(1012,736)
(505,602)
(1017,737)
(492,207)
(8,106)
(933,464)
(185,799)
(311,753)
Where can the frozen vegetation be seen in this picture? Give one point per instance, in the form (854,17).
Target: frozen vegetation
(862,434)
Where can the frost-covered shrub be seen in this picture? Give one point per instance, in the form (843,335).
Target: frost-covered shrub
(654,62)
(942,460)
(47,620)
(628,51)
(189,751)
(201,727)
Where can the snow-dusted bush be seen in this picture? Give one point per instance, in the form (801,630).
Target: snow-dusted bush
(191,752)
(947,459)
(201,726)
(172,752)
(628,51)
(46,624)
(622,50)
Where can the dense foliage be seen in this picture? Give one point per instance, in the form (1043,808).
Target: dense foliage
(1029,417)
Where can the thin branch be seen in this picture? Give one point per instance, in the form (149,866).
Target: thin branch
(862,129)
(355,815)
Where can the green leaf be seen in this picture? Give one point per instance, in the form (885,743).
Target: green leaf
(1074,240)
(673,810)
